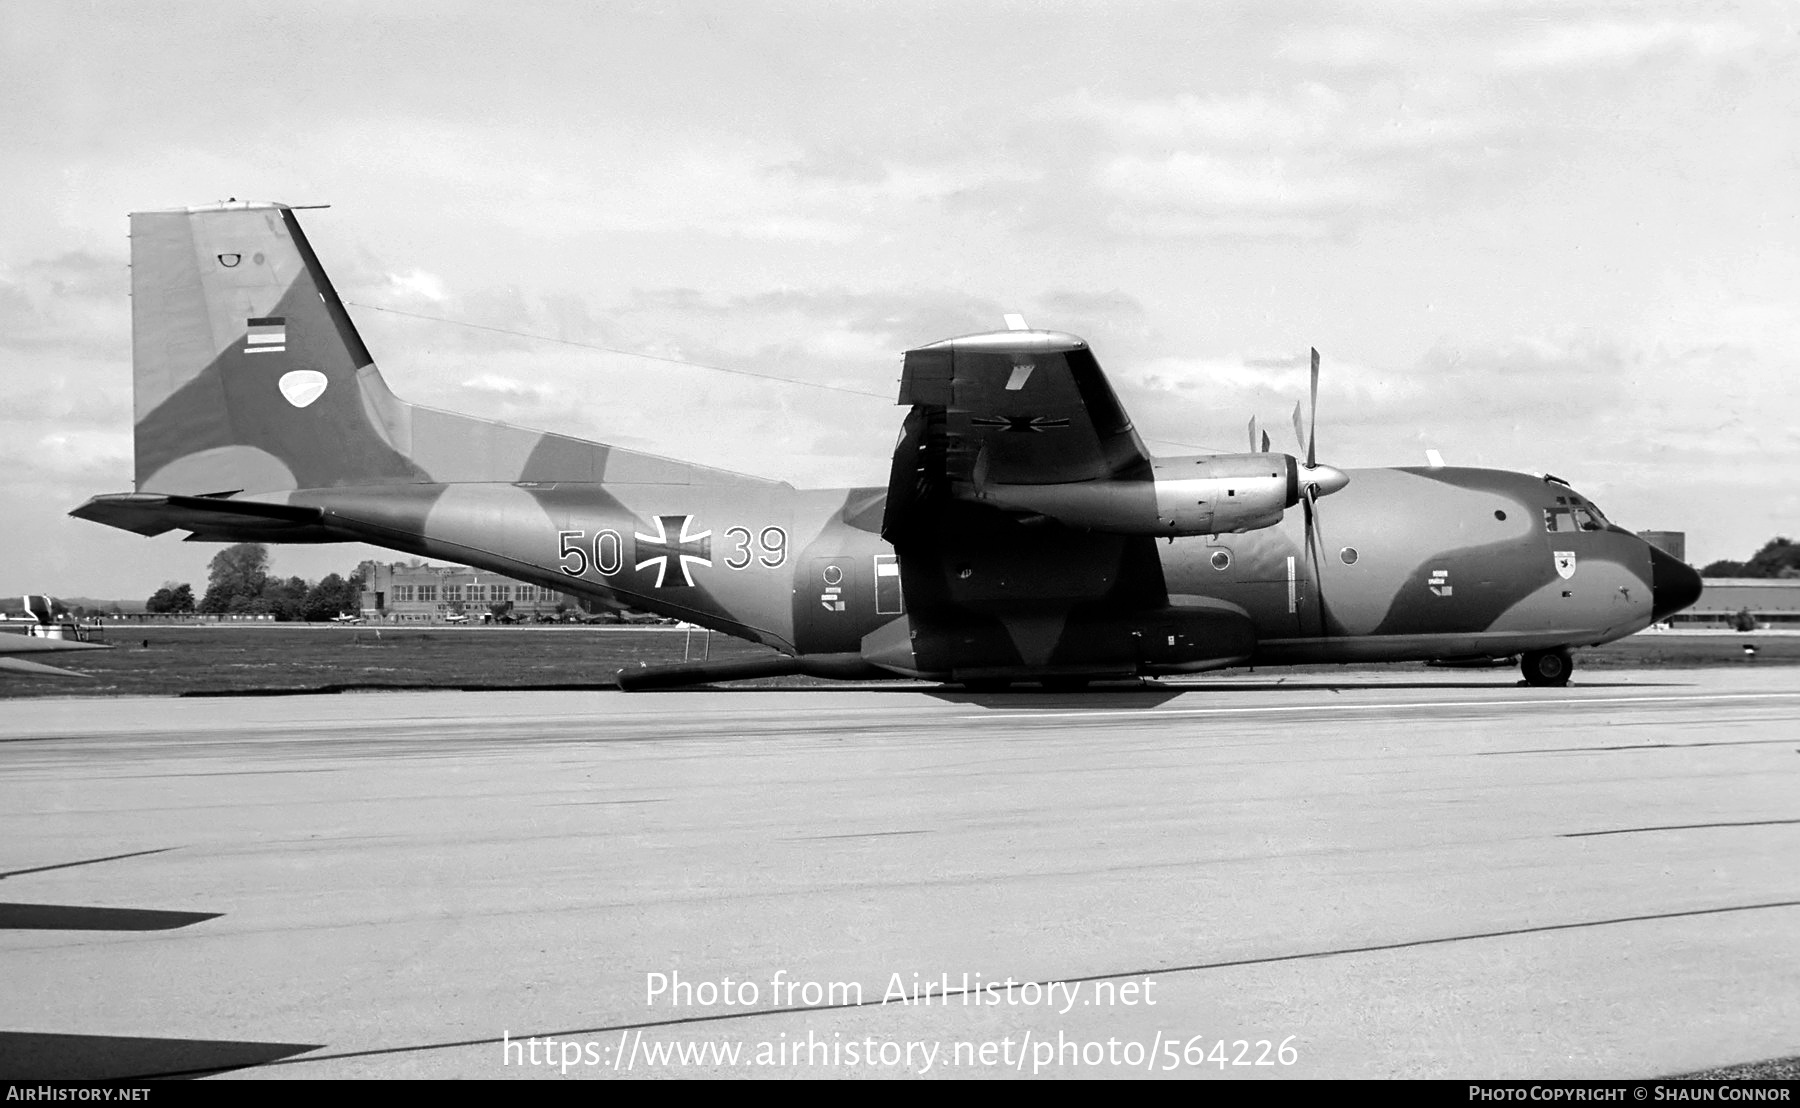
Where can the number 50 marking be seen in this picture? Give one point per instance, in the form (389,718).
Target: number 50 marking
(608,548)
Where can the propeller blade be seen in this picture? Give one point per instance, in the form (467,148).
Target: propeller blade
(1315,540)
(1318,481)
(1252,434)
(1265,442)
(1312,459)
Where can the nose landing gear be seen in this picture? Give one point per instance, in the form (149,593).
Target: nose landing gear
(1547,668)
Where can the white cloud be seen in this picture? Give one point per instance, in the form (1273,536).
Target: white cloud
(1341,46)
(80,452)
(1619,43)
(73,302)
(769,195)
(1256,122)
(1310,163)
(1204,183)
(415,285)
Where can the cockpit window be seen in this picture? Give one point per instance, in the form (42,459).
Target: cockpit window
(1576,518)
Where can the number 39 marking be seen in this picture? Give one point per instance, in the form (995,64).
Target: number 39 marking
(770,548)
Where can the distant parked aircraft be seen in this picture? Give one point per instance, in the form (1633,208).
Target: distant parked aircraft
(44,636)
(347,618)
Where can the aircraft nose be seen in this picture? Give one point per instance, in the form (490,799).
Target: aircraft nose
(1673,585)
(1329,479)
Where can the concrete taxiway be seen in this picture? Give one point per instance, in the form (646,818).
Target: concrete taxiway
(1416,873)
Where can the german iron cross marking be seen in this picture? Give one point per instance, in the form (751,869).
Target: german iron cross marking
(656,550)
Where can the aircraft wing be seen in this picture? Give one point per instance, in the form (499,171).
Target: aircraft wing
(1007,408)
(36,669)
(25,644)
(28,644)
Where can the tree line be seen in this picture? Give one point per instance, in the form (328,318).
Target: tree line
(1779,557)
(239,583)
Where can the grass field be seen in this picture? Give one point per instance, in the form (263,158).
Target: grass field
(161,661)
(295,657)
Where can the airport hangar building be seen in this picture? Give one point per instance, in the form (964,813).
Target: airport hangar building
(416,592)
(1772,602)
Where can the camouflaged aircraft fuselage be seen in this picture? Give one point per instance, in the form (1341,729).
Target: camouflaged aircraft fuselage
(261,417)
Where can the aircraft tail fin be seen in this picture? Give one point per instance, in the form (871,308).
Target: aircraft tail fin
(249,376)
(248,373)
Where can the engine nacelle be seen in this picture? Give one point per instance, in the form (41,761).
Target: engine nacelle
(1210,494)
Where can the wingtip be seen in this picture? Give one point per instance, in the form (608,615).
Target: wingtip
(38,669)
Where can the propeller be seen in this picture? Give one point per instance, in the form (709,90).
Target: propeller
(1265,438)
(1315,481)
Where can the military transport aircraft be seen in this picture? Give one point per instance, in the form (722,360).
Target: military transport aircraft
(1025,534)
(44,636)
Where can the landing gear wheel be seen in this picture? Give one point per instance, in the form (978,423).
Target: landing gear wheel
(1548,668)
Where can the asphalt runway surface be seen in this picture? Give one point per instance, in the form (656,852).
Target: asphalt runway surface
(1418,873)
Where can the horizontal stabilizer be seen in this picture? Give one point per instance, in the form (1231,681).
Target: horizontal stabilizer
(237,520)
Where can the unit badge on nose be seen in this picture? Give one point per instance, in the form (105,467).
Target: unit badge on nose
(1565,564)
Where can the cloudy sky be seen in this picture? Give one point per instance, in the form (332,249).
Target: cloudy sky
(1559,237)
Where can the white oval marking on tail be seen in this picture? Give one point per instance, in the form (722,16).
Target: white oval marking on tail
(302,386)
